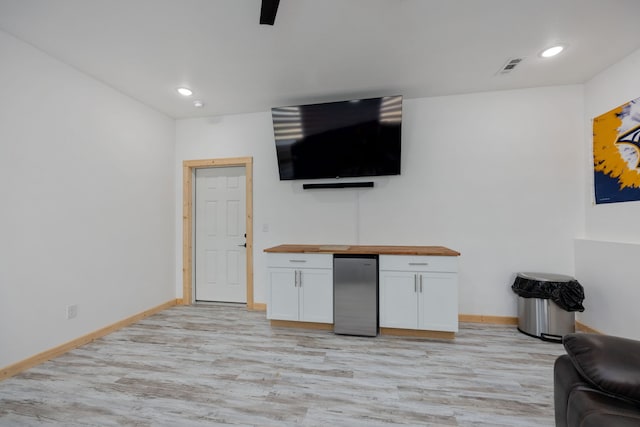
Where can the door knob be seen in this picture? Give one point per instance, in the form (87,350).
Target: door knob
(244,245)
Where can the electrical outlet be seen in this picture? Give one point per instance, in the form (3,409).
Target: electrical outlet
(72,311)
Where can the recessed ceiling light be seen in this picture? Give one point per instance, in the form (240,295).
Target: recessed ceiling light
(185,91)
(198,104)
(552,51)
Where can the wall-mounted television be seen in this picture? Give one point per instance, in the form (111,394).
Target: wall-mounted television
(342,139)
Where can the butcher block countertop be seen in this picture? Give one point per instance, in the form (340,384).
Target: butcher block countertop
(359,249)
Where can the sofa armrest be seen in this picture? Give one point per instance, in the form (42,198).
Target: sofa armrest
(611,364)
(565,380)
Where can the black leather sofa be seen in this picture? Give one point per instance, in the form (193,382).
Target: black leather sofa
(597,383)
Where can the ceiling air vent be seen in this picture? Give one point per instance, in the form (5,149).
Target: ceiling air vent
(510,65)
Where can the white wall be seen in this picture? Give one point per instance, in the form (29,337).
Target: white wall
(606,258)
(496,176)
(614,86)
(608,272)
(86,185)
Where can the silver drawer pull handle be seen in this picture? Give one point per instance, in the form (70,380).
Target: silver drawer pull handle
(297,260)
(418,263)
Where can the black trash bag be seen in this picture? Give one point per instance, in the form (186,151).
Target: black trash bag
(567,295)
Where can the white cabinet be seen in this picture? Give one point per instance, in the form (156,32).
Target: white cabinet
(419,292)
(300,287)
(415,292)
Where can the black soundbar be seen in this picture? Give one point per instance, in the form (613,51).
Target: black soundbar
(365,184)
(268,11)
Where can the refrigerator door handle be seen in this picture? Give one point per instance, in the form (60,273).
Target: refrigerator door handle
(415,283)
(421,283)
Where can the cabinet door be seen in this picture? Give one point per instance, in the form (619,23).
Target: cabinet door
(438,302)
(316,295)
(283,294)
(398,300)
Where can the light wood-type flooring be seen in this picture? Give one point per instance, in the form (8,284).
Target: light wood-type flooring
(218,365)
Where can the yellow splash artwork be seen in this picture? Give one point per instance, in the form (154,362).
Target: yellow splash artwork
(608,140)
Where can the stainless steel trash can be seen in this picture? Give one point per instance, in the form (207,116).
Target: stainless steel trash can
(542,318)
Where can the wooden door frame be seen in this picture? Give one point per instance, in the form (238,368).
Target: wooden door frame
(188,169)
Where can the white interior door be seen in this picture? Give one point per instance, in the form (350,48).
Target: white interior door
(220,234)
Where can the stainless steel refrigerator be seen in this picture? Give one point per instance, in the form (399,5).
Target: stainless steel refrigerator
(355,295)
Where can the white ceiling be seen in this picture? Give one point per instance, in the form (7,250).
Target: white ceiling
(322,50)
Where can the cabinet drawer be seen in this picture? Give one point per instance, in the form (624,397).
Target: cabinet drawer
(418,263)
(293,260)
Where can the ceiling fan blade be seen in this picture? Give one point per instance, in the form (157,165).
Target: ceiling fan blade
(268,11)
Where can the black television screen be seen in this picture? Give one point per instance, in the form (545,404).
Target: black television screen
(339,139)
